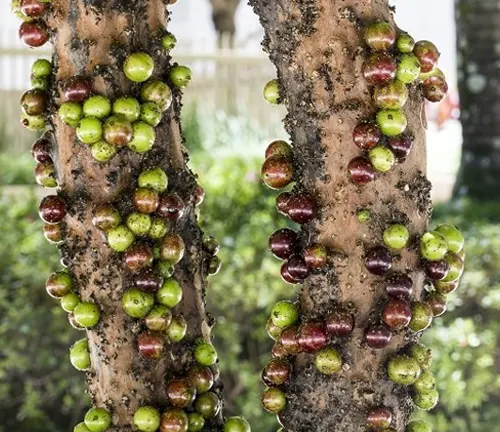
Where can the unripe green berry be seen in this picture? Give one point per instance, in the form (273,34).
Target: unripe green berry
(151,113)
(170,293)
(98,419)
(453,236)
(143,137)
(426,382)
(120,238)
(272,92)
(81,427)
(69,302)
(433,246)
(89,130)
(180,76)
(138,67)
(102,151)
(155,179)
(422,355)
(41,68)
(196,422)
(427,400)
(34,123)
(40,83)
(147,419)
(79,355)
(169,41)
(139,223)
(86,314)
(391,122)
(166,268)
(405,43)
(273,400)
(97,106)
(236,424)
(158,319)
(284,314)
(127,107)
(328,361)
(137,303)
(177,329)
(396,236)
(421,316)
(205,354)
(403,370)
(408,69)
(159,228)
(70,113)
(382,158)
(456,265)
(418,426)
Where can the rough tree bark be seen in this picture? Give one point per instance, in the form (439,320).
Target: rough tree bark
(93,38)
(479,88)
(316,48)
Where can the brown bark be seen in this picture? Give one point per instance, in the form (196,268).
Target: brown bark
(92,38)
(316,48)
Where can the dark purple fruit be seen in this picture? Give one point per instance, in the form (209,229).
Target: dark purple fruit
(277,372)
(287,277)
(171,207)
(148,281)
(378,337)
(437,302)
(146,200)
(277,172)
(278,350)
(361,170)
(366,135)
(289,340)
(380,69)
(340,323)
(379,418)
(297,267)
(301,208)
(34,102)
(436,270)
(33,8)
(151,344)
(399,286)
(41,150)
(282,201)
(397,314)
(283,243)
(201,377)
(138,257)
(181,392)
(76,89)
(174,420)
(427,55)
(52,209)
(312,336)
(34,33)
(315,256)
(401,146)
(378,260)
(435,88)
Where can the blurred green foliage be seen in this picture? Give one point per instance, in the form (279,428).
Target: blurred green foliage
(40,391)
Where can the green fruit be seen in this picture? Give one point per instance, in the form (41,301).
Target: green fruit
(120,238)
(139,223)
(177,329)
(433,246)
(143,137)
(453,236)
(456,267)
(157,92)
(137,303)
(273,400)
(196,422)
(422,355)
(328,361)
(79,355)
(426,382)
(207,404)
(180,76)
(436,72)
(98,419)
(418,426)
(382,158)
(40,83)
(170,293)
(396,236)
(426,401)
(272,92)
(89,130)
(405,43)
(408,69)
(41,68)
(151,113)
(166,268)
(58,284)
(86,314)
(236,424)
(158,319)
(421,316)
(69,302)
(97,106)
(364,216)
(205,354)
(127,107)
(34,123)
(139,67)
(159,228)
(147,419)
(81,427)
(391,122)
(155,179)
(70,113)
(284,314)
(403,370)
(102,151)
(169,41)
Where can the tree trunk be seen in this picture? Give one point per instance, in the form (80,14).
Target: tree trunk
(479,87)
(93,38)
(316,48)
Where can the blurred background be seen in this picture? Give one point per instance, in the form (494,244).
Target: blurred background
(227,126)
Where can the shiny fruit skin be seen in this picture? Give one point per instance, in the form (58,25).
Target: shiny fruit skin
(340,323)
(399,286)
(378,260)
(405,43)
(296,267)
(446,287)
(361,170)
(378,337)
(279,148)
(149,281)
(205,354)
(403,370)
(155,179)
(201,377)
(433,246)
(277,172)
(277,372)
(397,314)
(151,344)
(436,270)
(34,33)
(180,76)
(396,236)
(146,200)
(33,8)
(136,303)
(435,89)
(301,208)
(271,92)
(170,293)
(380,69)
(76,89)
(315,256)
(427,54)
(106,217)
(174,420)
(381,158)
(158,319)
(157,92)
(236,424)
(177,329)
(138,67)
(366,135)
(180,392)
(456,267)
(273,400)
(401,146)
(117,130)
(172,248)
(138,257)
(312,336)
(285,313)
(41,150)
(380,36)
(391,96)
(422,316)
(171,207)
(379,418)
(289,340)
(391,122)
(45,175)
(53,233)
(408,69)
(208,405)
(52,209)
(328,361)
(98,419)
(58,284)
(453,237)
(34,102)
(147,419)
(283,243)
(437,302)
(282,202)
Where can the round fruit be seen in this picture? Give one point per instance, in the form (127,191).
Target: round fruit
(208,405)
(146,200)
(427,400)
(177,329)
(120,238)
(391,122)
(81,427)
(58,284)
(366,135)
(408,69)
(426,382)
(180,76)
(155,179)
(236,424)
(69,302)
(380,36)
(137,303)
(397,314)
(396,236)
(70,113)
(147,419)
(106,217)
(283,243)
(159,228)
(201,377)
(380,69)
(340,323)
(437,302)
(89,130)
(139,223)
(180,392)
(301,208)
(453,237)
(168,41)
(435,88)
(127,107)
(361,170)
(102,151)
(41,68)
(34,123)
(79,355)
(53,233)
(138,67)
(399,286)
(421,316)
(174,420)
(403,370)
(315,256)
(171,207)
(172,248)
(433,246)
(151,114)
(436,270)
(277,372)
(418,426)
(205,354)
(52,209)
(196,422)
(378,260)
(284,314)
(279,148)
(151,344)
(328,361)
(427,55)
(117,131)
(76,89)
(364,216)
(158,319)
(170,293)
(97,419)
(312,336)
(143,137)
(401,146)
(422,355)
(273,400)
(272,92)
(405,43)
(41,149)
(295,269)
(86,314)
(45,175)
(289,340)
(379,418)
(157,92)
(97,106)
(446,287)
(34,102)
(34,33)
(391,96)
(277,172)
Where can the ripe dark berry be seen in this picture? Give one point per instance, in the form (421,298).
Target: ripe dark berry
(401,146)
(41,150)
(380,69)
(301,208)
(278,350)
(151,344)
(366,135)
(361,170)
(282,201)
(277,172)
(397,314)
(378,260)
(283,243)
(34,102)
(436,270)
(315,256)
(180,392)
(378,337)
(201,377)
(427,55)
(146,200)
(435,88)
(52,209)
(340,323)
(437,302)
(277,372)
(171,207)
(138,256)
(399,286)
(312,336)
(34,33)
(380,36)
(297,268)
(174,420)
(281,148)
(286,276)
(76,89)
(379,418)
(33,8)
(289,340)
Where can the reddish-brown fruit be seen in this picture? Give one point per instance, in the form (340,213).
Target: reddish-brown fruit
(401,146)
(287,277)
(366,135)
(447,287)
(277,372)
(146,200)
(33,8)
(435,88)
(282,202)
(105,217)
(437,302)
(427,55)
(378,337)
(436,270)
(53,233)
(361,170)
(277,172)
(174,420)
(151,344)
(201,377)
(378,260)
(315,256)
(34,102)
(340,323)
(138,256)
(148,281)
(301,208)
(278,350)
(312,336)
(171,207)
(52,209)
(34,33)
(380,36)
(399,286)
(41,150)
(181,392)
(380,69)
(289,340)
(172,248)
(199,195)
(76,89)
(397,314)
(297,268)
(283,243)
(280,148)
(379,418)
